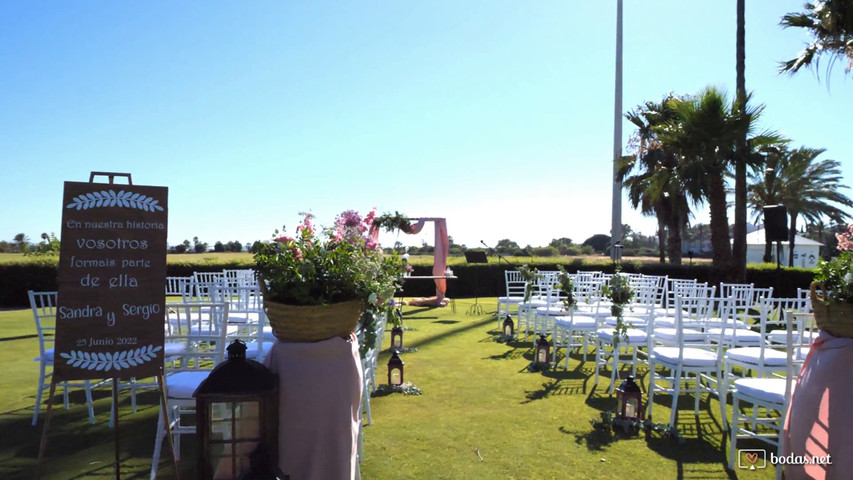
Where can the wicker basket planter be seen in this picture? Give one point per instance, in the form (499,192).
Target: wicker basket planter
(313,323)
(835,318)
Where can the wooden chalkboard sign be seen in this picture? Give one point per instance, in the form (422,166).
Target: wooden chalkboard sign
(112,276)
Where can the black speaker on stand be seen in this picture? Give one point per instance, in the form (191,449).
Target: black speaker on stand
(472,257)
(776,228)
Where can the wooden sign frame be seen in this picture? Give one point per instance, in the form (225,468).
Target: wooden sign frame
(111,298)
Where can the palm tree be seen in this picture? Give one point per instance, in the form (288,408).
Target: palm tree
(808,187)
(812,190)
(22,242)
(830,22)
(654,187)
(704,132)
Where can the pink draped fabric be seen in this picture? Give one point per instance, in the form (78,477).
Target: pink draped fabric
(823,394)
(442,247)
(320,388)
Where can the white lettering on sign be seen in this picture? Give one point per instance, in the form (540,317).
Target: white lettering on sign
(117,244)
(145,311)
(84,312)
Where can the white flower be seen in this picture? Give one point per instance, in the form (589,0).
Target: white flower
(848,278)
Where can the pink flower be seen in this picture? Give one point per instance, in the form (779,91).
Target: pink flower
(844,242)
(284,239)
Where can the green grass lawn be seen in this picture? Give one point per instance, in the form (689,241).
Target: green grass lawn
(482,415)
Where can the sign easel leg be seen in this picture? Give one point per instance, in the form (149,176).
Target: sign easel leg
(43,442)
(115,428)
(161,381)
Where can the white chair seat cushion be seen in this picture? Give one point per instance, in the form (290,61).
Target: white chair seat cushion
(692,357)
(635,336)
(243,317)
(751,355)
(48,356)
(172,349)
(638,310)
(770,390)
(586,308)
(735,336)
(551,311)
(510,300)
(533,304)
(181,385)
(636,322)
(669,322)
(577,322)
(717,322)
(687,335)
(781,336)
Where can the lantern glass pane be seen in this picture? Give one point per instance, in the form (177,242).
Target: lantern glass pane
(396,377)
(631,407)
(508,330)
(236,431)
(541,355)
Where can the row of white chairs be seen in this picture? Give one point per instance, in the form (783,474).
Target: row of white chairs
(688,337)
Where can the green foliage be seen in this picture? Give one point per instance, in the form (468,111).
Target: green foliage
(392,221)
(544,251)
(598,242)
(836,275)
(567,286)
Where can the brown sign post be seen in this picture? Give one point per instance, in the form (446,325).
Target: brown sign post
(112,276)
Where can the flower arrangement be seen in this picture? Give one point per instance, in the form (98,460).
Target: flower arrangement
(336,264)
(620,293)
(529,275)
(567,286)
(836,275)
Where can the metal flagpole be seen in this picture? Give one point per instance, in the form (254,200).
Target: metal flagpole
(616,218)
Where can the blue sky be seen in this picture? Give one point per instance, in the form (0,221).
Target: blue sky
(497,115)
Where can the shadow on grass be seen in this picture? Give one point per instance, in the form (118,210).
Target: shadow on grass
(19,444)
(447,322)
(595,440)
(571,382)
(20,337)
(449,333)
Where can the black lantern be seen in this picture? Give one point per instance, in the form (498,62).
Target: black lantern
(397,339)
(395,370)
(508,327)
(543,352)
(237,419)
(629,401)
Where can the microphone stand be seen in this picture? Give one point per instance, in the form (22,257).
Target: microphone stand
(500,257)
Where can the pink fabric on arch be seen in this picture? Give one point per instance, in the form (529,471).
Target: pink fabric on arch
(442,247)
(819,420)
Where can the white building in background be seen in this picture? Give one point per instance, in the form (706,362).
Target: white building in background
(806,251)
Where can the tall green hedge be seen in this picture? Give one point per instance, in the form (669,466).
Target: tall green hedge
(472,281)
